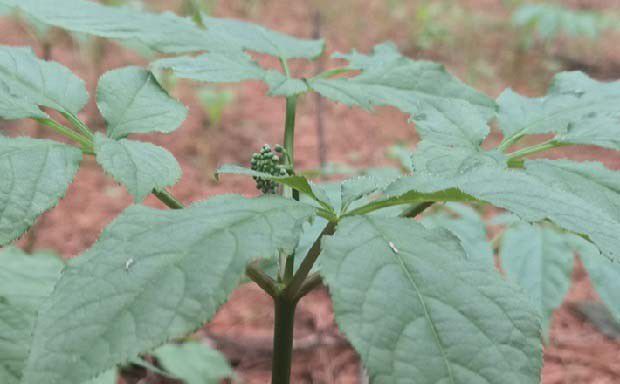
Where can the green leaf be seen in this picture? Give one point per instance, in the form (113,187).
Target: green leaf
(24,282)
(194,363)
(163,32)
(299,183)
(414,309)
(259,39)
(139,166)
(153,276)
(578,109)
(213,67)
(530,197)
(423,89)
(132,101)
(42,83)
(540,259)
(468,226)
(35,174)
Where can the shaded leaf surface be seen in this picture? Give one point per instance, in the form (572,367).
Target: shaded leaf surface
(35,174)
(604,275)
(468,226)
(194,363)
(24,282)
(154,275)
(539,259)
(414,308)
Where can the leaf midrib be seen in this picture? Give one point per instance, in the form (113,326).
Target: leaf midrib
(421,299)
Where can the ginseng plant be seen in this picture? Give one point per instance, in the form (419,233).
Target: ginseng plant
(416,303)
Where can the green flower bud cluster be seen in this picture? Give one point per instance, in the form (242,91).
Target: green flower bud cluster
(271,162)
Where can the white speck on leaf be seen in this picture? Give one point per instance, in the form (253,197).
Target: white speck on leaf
(129,263)
(393,247)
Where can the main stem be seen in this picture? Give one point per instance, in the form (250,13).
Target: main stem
(284,306)
(283,340)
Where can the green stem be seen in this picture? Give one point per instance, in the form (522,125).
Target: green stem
(289,129)
(285,67)
(293,288)
(87,145)
(312,281)
(167,198)
(545,146)
(289,138)
(333,72)
(261,279)
(504,145)
(283,340)
(417,209)
(79,125)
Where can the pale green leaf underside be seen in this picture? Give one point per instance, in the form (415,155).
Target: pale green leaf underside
(423,89)
(39,82)
(24,281)
(35,174)
(539,259)
(578,109)
(139,166)
(256,38)
(194,363)
(167,32)
(213,67)
(469,227)
(415,310)
(530,197)
(230,68)
(604,274)
(152,276)
(132,101)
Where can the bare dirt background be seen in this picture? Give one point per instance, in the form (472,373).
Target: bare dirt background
(473,38)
